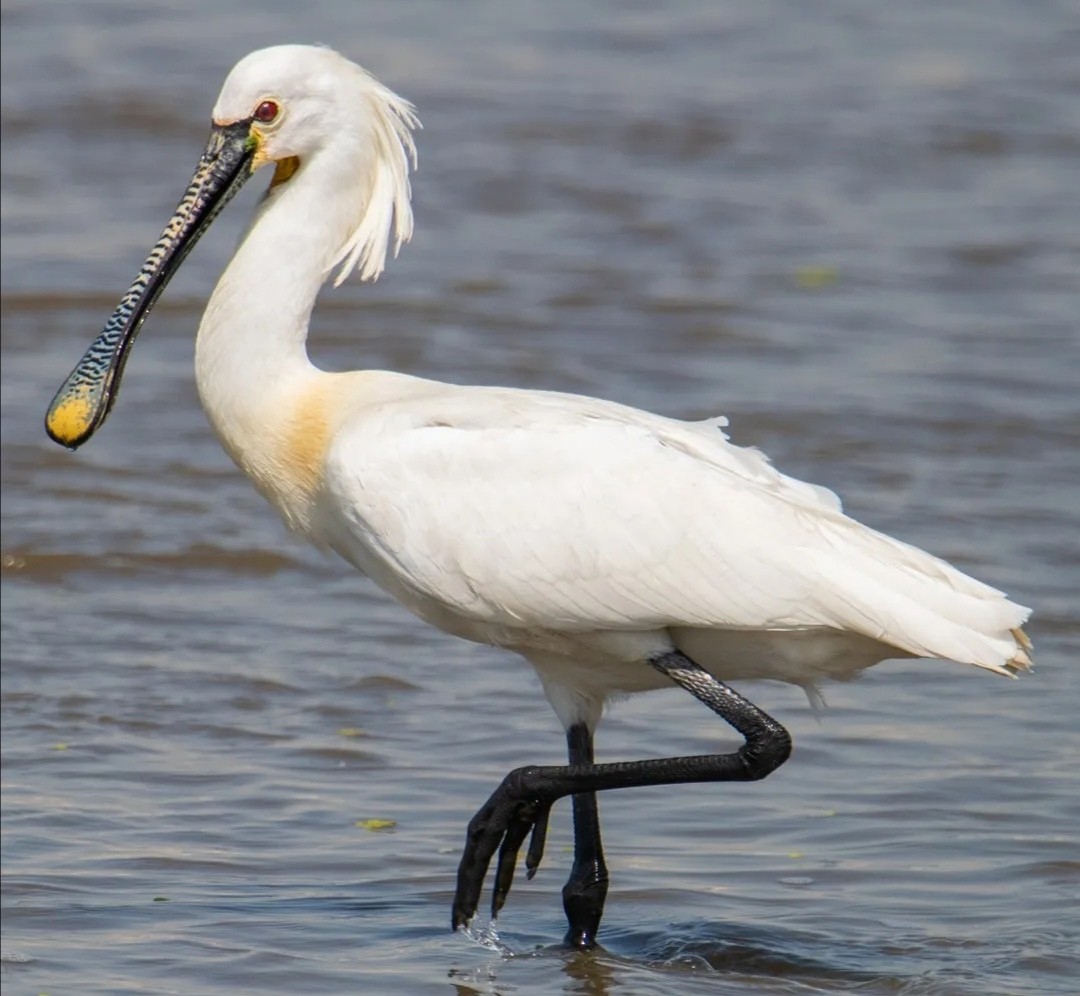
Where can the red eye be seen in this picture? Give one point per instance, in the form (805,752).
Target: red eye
(266,111)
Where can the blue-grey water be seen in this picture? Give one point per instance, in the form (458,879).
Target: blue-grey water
(853,228)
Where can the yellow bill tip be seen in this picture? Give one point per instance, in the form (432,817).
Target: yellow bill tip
(71,418)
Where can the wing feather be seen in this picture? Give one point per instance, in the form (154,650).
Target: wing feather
(562,513)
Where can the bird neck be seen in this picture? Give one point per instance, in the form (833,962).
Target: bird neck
(251,364)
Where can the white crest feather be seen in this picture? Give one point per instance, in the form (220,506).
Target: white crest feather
(388,207)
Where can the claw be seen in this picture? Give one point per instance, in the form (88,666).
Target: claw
(460,917)
(535,853)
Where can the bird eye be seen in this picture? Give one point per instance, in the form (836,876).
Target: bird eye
(266,111)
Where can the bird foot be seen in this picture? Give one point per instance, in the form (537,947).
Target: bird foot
(515,809)
(583,901)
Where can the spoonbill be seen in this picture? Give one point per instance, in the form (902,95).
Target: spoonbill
(616,550)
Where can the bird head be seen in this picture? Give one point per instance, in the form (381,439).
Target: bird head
(300,108)
(299,104)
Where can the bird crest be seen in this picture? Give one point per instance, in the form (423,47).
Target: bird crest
(388,207)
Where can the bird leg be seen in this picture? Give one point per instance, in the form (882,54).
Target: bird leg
(586,889)
(522,803)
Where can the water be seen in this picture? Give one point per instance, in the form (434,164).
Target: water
(851,228)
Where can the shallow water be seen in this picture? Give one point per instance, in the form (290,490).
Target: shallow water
(853,229)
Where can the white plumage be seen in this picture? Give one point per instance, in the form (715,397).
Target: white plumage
(565,527)
(581,533)
(617,550)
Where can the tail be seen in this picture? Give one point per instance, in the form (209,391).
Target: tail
(1021,660)
(905,597)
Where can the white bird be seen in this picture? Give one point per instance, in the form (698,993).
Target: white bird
(617,551)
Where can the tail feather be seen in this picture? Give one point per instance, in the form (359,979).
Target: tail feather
(1021,660)
(909,599)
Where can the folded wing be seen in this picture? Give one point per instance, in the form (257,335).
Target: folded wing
(568,514)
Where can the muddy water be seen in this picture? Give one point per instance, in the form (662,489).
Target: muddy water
(851,228)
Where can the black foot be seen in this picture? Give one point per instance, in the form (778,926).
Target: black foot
(583,901)
(516,808)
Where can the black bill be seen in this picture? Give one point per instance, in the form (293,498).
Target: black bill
(86,397)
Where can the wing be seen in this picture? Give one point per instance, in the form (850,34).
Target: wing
(548,511)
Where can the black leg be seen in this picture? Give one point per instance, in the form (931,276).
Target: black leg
(586,889)
(523,801)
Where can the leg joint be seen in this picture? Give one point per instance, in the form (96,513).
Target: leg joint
(765,753)
(522,782)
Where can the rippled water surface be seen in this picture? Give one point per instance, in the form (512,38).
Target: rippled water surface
(853,228)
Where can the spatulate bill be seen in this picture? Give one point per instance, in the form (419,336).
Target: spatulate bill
(86,397)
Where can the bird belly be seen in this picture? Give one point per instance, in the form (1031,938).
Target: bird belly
(803,656)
